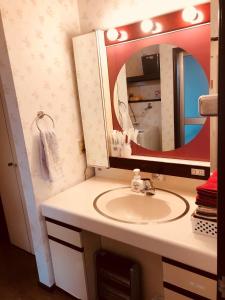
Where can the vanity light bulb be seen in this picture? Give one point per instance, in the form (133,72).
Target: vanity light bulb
(158,28)
(123,36)
(147,25)
(112,34)
(190,14)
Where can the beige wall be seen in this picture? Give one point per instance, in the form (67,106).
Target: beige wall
(38,36)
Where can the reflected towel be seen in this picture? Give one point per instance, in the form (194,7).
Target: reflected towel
(126,122)
(49,155)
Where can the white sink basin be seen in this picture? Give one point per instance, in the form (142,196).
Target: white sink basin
(126,206)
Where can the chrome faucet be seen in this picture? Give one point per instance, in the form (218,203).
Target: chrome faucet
(148,187)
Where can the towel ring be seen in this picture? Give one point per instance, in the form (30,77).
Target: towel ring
(41,115)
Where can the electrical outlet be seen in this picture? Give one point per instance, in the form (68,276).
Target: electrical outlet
(81,146)
(197,172)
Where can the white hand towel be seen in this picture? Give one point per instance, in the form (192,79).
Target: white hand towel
(49,155)
(126,121)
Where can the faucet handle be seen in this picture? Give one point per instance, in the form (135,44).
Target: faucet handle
(148,186)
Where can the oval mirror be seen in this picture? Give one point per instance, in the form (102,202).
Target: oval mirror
(156,97)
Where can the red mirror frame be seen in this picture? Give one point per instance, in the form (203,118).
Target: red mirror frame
(195,39)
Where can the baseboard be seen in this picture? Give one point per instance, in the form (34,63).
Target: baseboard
(55,288)
(23,250)
(66,293)
(46,287)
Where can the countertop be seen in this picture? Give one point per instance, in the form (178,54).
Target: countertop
(174,240)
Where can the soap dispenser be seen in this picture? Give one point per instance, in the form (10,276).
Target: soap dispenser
(137,182)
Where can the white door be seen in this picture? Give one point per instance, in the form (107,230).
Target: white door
(9,190)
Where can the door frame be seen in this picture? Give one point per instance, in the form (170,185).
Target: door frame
(221,150)
(10,102)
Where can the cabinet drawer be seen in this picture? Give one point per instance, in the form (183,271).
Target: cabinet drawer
(64,234)
(171,295)
(69,270)
(189,281)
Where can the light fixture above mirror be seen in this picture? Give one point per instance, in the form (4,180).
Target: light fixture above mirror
(112,34)
(192,15)
(147,25)
(188,17)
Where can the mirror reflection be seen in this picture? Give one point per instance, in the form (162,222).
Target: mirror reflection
(157,93)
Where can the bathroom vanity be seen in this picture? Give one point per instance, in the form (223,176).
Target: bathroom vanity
(176,263)
(172,256)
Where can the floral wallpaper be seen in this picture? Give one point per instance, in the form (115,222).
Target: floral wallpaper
(39,41)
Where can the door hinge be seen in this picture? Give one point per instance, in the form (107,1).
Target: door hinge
(221,286)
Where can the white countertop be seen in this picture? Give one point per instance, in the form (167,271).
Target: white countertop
(174,240)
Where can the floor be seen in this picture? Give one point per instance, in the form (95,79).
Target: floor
(18,277)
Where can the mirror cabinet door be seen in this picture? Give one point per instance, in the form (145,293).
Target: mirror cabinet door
(93,87)
(158,96)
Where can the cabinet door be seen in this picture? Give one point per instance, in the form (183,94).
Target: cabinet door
(14,208)
(69,270)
